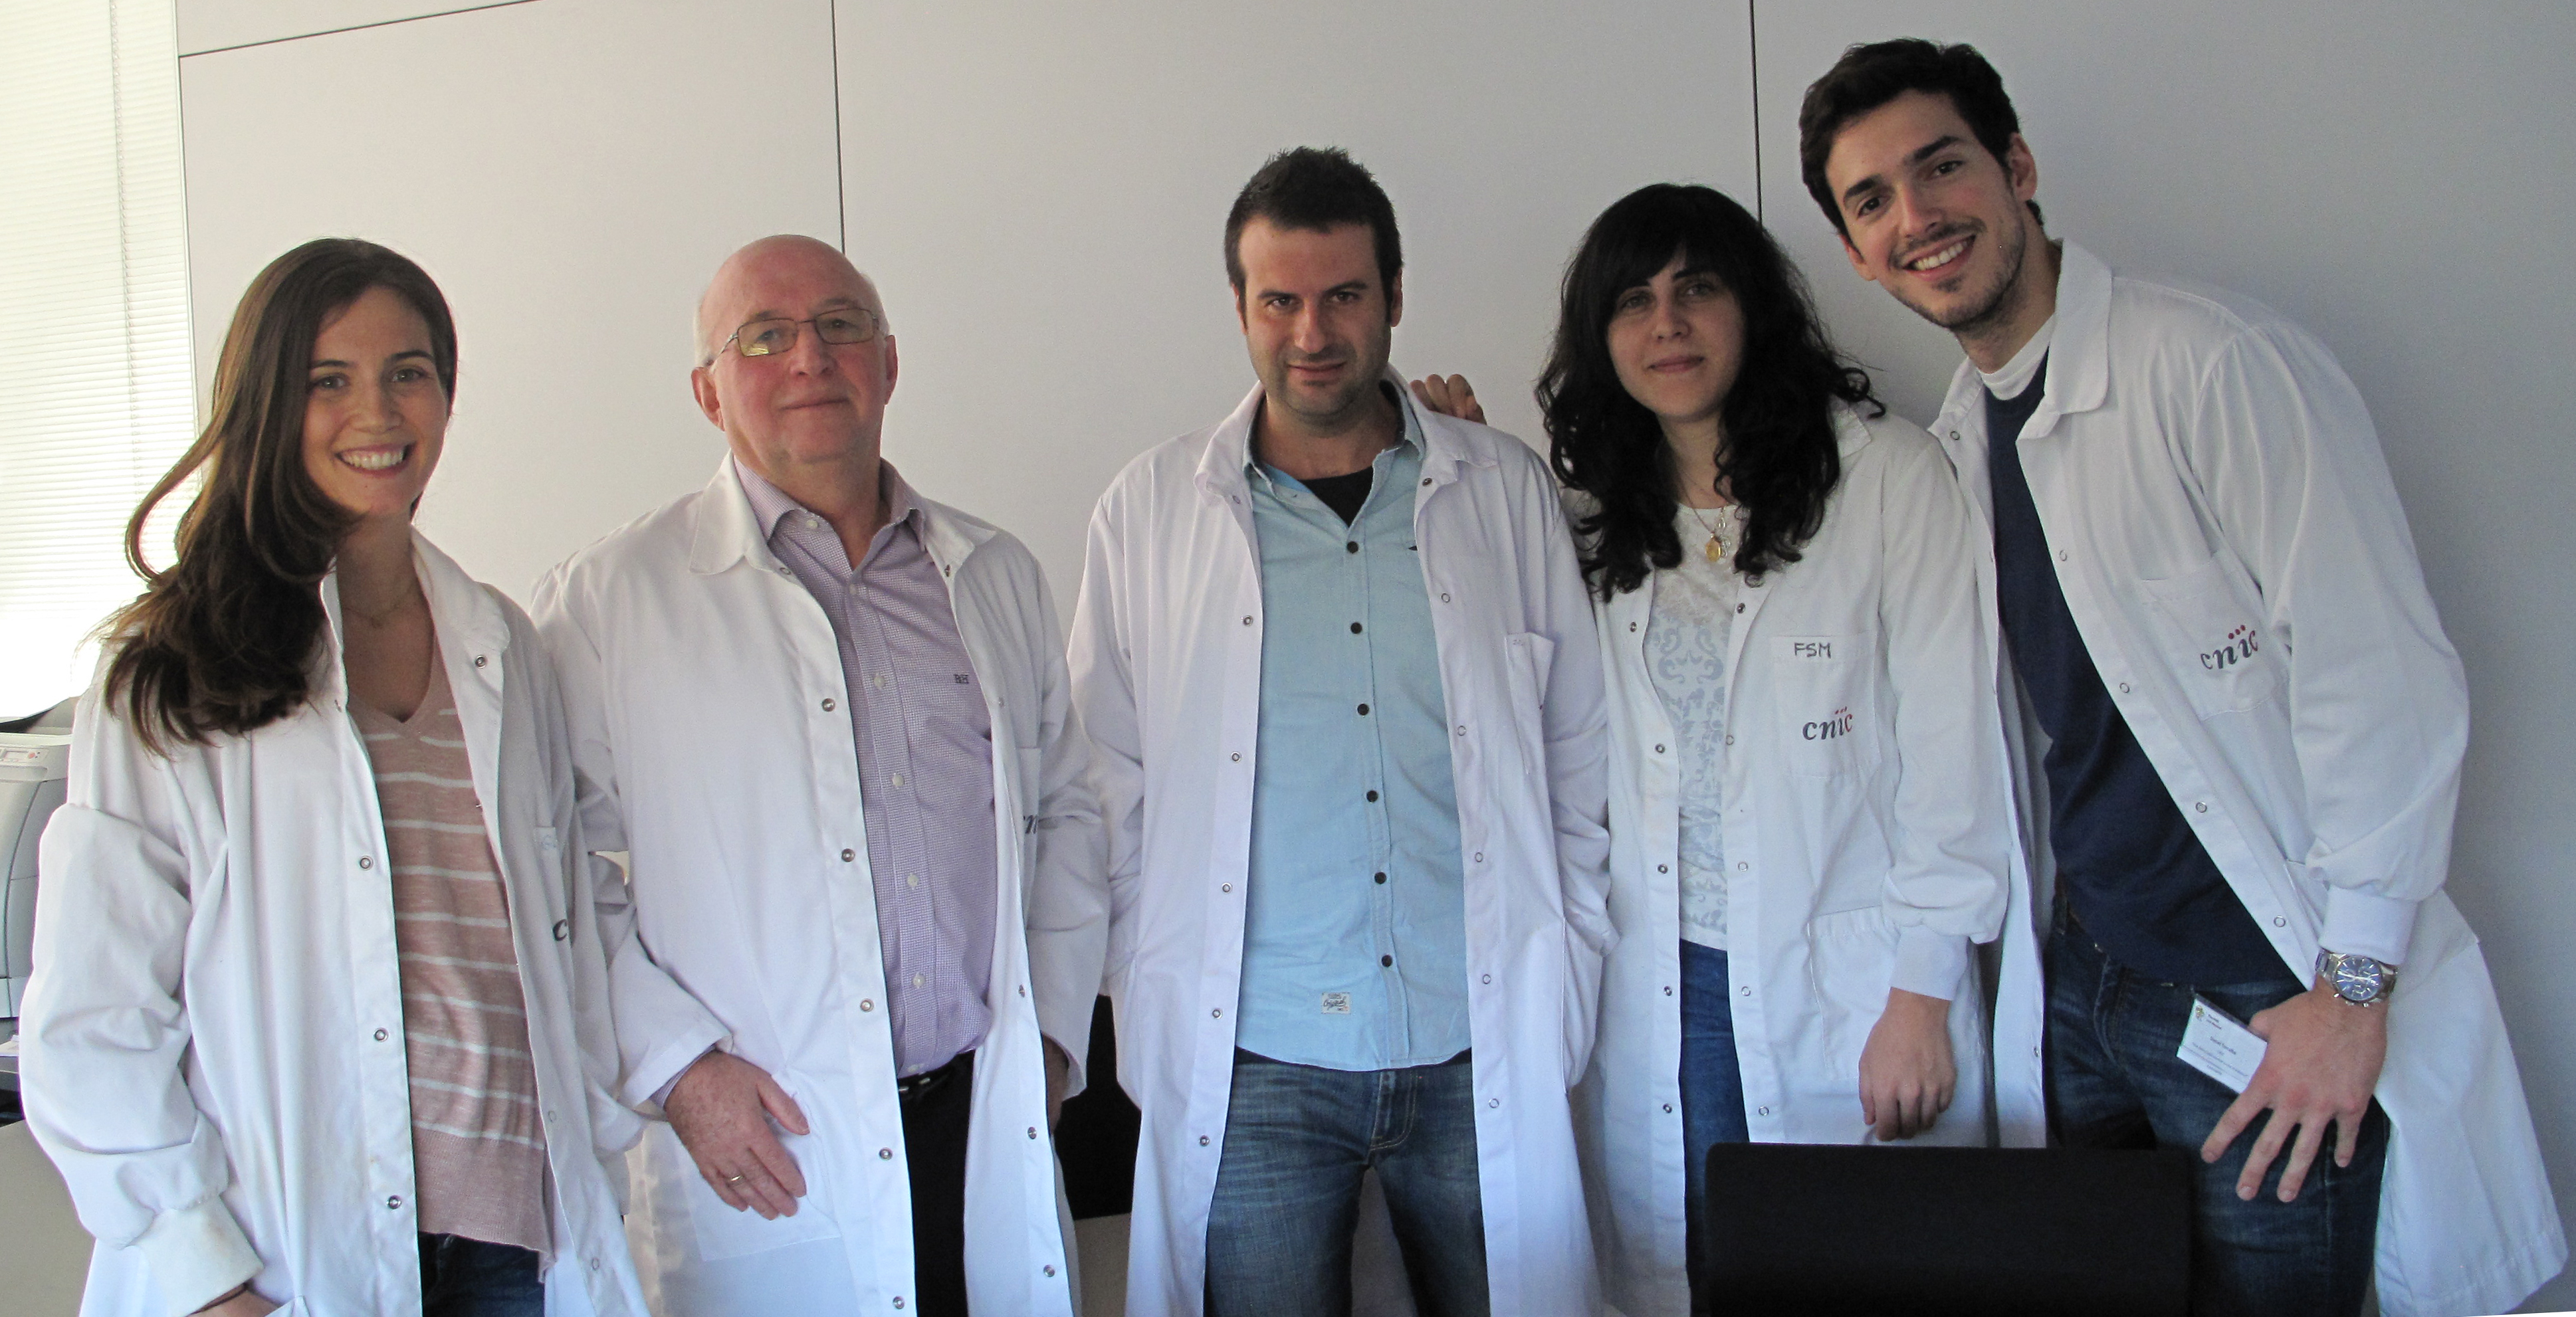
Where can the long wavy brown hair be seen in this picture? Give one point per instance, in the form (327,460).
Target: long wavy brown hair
(223,642)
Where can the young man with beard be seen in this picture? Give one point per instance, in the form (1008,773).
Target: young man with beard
(1337,664)
(2245,722)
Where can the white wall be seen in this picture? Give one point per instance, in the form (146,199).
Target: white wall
(1040,189)
(2397,178)
(570,171)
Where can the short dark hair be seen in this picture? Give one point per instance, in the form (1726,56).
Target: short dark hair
(1781,459)
(1869,76)
(1315,188)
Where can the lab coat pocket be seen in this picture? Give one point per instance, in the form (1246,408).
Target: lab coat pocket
(1532,656)
(723,1232)
(1822,703)
(2210,625)
(1851,957)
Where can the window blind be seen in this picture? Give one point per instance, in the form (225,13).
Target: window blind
(96,396)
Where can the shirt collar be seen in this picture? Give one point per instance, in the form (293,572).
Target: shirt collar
(769,503)
(1410,436)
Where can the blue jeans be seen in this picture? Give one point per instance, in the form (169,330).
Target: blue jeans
(462,1277)
(1297,1141)
(1712,1084)
(2114,1082)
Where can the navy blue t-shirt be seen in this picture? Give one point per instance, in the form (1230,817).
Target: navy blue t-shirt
(2136,876)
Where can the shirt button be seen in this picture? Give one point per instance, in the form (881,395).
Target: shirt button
(886,1155)
(916,980)
(1355,628)
(1352,546)
(1386,962)
(1381,878)
(380,1035)
(897,780)
(912,880)
(366,862)
(1363,710)
(829,705)
(848,855)
(1372,795)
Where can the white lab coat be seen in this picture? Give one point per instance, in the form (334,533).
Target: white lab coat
(1166,656)
(704,686)
(2207,476)
(214,1038)
(1869,840)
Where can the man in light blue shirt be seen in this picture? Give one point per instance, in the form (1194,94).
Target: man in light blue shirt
(1354,954)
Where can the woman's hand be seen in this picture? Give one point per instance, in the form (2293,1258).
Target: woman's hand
(1906,1075)
(242,1302)
(1450,396)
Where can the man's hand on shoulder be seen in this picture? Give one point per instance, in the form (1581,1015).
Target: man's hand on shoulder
(2321,1060)
(721,1108)
(1449,395)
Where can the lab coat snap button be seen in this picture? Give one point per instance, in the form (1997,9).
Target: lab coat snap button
(366,862)
(393,1203)
(380,1035)
(885,1154)
(1203,1141)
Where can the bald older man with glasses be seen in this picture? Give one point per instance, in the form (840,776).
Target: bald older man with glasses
(826,718)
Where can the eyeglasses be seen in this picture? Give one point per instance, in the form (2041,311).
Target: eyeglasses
(762,338)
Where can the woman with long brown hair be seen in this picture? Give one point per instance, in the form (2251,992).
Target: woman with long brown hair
(319,1018)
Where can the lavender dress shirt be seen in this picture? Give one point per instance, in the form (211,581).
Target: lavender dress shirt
(925,745)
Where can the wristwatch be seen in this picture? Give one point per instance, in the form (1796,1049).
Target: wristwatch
(2360,980)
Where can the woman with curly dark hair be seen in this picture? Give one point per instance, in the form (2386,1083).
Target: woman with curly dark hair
(319,1017)
(1808,802)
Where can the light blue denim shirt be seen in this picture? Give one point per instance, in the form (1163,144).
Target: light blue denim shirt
(1355,933)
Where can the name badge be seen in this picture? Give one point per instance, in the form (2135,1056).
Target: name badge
(2217,1045)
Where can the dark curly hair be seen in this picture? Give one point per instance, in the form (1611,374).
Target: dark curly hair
(222,641)
(1780,460)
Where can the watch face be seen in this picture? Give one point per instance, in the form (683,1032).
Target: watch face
(2359,978)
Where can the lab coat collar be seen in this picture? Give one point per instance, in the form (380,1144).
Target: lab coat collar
(462,612)
(2079,353)
(1229,449)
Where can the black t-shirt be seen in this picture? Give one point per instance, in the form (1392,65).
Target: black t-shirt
(2134,873)
(1343,494)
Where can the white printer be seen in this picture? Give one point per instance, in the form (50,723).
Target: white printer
(33,768)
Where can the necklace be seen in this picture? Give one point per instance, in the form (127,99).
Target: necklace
(1718,548)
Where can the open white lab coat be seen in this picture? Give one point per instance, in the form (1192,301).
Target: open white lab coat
(705,687)
(1869,840)
(2232,549)
(214,1038)
(1166,656)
